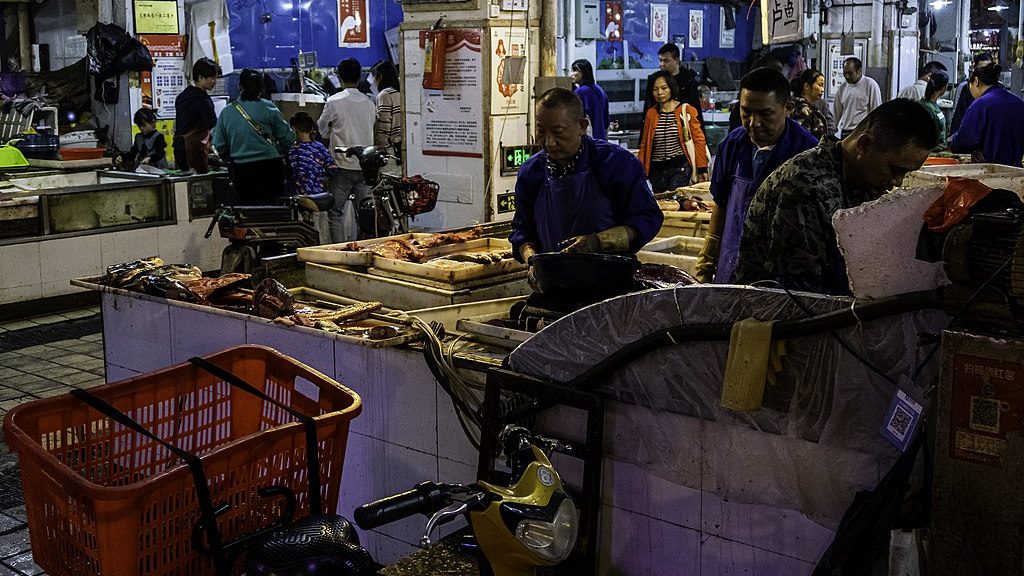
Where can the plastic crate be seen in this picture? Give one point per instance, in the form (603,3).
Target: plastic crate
(101,499)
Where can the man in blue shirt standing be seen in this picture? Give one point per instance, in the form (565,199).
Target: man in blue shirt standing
(767,138)
(579,194)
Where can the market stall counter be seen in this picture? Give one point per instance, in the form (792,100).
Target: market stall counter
(691,482)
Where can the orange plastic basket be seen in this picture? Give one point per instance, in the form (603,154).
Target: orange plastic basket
(102,499)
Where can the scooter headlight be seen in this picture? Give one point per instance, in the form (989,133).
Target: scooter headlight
(552,540)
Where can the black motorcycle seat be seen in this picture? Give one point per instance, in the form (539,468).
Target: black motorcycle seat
(314,202)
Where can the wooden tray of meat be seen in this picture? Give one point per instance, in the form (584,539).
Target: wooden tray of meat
(458,265)
(409,247)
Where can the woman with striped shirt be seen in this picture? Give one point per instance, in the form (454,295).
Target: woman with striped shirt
(672,146)
(387,129)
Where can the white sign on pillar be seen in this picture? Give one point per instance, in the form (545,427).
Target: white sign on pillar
(782,21)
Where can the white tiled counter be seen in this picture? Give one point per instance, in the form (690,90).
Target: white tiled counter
(39,266)
(407,432)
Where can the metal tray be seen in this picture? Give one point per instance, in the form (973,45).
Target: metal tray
(678,251)
(490,334)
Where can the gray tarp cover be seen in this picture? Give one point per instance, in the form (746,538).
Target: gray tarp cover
(815,442)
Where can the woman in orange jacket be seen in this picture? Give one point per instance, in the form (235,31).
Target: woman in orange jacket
(672,146)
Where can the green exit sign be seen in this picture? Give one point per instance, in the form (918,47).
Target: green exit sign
(512,157)
(506,202)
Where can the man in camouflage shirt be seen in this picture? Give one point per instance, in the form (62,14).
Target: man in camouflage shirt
(788,235)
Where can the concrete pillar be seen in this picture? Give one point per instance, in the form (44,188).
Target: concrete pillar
(548,22)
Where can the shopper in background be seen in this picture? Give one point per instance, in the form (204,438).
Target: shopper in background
(788,235)
(963,96)
(937,83)
(387,128)
(916,91)
(808,91)
(194,118)
(672,145)
(579,194)
(993,126)
(686,80)
(347,120)
(149,146)
(595,101)
(747,156)
(309,159)
(253,135)
(856,97)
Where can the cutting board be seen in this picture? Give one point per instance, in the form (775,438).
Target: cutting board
(333,253)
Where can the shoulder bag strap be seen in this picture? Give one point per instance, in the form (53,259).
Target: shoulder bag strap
(255,126)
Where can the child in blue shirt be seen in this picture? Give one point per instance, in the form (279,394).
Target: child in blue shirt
(309,159)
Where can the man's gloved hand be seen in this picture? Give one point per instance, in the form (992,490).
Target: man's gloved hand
(707,259)
(580,244)
(617,239)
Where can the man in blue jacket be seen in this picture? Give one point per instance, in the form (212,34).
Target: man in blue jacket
(767,138)
(579,194)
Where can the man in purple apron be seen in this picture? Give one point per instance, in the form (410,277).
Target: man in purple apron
(579,194)
(767,138)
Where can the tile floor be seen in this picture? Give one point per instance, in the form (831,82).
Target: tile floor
(39,357)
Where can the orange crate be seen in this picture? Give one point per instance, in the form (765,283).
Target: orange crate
(81,153)
(102,499)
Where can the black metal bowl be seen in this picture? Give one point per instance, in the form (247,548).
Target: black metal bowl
(583,276)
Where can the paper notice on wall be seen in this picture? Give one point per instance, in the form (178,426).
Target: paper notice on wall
(726,38)
(162,85)
(782,21)
(353,24)
(452,118)
(507,98)
(659,23)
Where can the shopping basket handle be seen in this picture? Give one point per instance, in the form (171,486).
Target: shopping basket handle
(195,466)
(308,423)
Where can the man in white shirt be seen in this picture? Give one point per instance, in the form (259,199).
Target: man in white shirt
(916,90)
(858,96)
(347,119)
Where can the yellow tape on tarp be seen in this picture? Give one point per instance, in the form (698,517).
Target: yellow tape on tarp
(753,360)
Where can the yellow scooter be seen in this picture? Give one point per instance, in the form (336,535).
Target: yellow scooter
(530,523)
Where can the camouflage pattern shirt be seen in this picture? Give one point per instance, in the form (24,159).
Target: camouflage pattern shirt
(788,235)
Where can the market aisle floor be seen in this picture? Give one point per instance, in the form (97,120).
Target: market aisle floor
(39,357)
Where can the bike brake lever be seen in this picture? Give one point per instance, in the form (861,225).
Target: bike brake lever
(442,516)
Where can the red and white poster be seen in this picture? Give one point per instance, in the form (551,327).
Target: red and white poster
(696,30)
(508,48)
(163,84)
(659,23)
(353,24)
(452,118)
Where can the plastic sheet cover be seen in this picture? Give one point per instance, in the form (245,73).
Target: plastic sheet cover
(814,443)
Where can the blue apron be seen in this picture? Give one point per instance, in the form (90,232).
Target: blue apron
(570,206)
(740,195)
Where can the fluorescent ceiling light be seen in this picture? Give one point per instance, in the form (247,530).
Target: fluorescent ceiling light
(940,4)
(999,6)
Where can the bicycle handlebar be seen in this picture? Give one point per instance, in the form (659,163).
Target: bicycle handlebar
(425,498)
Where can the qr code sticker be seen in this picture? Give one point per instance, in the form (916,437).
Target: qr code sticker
(899,423)
(985,414)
